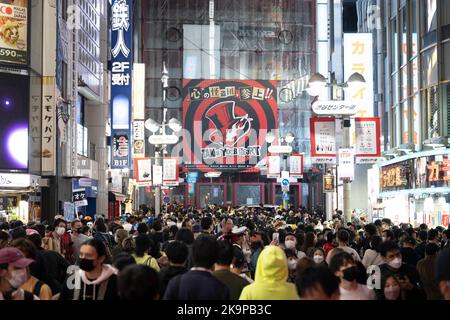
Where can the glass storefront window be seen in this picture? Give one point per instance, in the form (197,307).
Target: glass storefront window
(429,67)
(416,120)
(405,122)
(397,126)
(249,195)
(404,38)
(429,23)
(404,77)
(415,75)
(395,89)
(394,39)
(211,194)
(432,113)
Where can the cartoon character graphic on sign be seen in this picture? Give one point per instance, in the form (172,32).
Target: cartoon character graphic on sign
(228,128)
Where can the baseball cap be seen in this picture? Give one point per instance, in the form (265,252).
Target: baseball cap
(14,257)
(443,266)
(239,230)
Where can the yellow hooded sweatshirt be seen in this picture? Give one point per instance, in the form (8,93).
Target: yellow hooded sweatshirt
(271,278)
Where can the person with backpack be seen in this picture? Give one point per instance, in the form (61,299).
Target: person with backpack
(143,244)
(33,284)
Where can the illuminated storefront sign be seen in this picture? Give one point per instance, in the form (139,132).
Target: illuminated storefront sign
(121,80)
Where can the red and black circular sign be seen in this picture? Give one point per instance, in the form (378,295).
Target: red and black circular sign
(227,121)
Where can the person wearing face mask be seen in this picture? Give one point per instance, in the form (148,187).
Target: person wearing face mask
(36,281)
(405,273)
(391,289)
(318,255)
(65,240)
(344,267)
(290,242)
(292,264)
(13,275)
(94,280)
(78,237)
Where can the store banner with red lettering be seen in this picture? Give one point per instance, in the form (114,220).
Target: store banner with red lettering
(368,144)
(296,165)
(346,164)
(227,122)
(323,140)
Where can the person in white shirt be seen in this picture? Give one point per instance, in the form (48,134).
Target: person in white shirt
(372,255)
(343,237)
(290,242)
(344,267)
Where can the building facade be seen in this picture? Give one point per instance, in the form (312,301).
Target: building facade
(413,43)
(231,41)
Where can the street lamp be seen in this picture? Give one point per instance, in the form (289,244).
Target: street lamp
(316,85)
(281,149)
(160,139)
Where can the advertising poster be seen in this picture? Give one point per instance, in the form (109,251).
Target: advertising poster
(143,170)
(121,80)
(273,166)
(329,183)
(346,164)
(170,171)
(323,140)
(157,175)
(14,31)
(14,122)
(120,149)
(296,165)
(228,121)
(368,145)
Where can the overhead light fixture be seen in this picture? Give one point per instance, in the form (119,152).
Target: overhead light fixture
(175,125)
(152,125)
(213,174)
(289,138)
(316,85)
(270,137)
(356,79)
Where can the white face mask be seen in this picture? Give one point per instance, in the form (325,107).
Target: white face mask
(289,244)
(292,264)
(60,230)
(318,258)
(18,278)
(179,225)
(396,263)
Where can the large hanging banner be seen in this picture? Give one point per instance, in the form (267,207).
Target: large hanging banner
(368,145)
(121,81)
(14,31)
(228,121)
(323,140)
(296,165)
(143,171)
(170,172)
(273,167)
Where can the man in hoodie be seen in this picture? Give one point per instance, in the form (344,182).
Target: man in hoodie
(94,280)
(271,278)
(177,253)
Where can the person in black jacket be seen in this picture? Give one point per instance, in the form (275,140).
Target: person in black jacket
(177,253)
(406,274)
(54,264)
(93,280)
(409,255)
(199,283)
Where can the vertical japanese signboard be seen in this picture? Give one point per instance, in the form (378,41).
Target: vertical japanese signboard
(121,81)
(170,171)
(346,164)
(296,165)
(48,126)
(368,145)
(358,57)
(14,32)
(138,139)
(323,140)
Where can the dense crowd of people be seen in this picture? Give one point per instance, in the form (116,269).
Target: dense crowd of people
(223,254)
